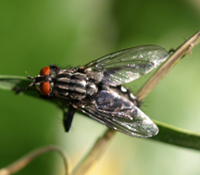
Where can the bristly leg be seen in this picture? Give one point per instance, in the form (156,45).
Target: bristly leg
(68,117)
(18,90)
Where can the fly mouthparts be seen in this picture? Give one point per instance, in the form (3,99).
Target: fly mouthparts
(29,77)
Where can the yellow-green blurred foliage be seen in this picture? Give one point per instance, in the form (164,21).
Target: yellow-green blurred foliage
(34,34)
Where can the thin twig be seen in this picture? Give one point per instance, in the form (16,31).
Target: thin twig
(166,67)
(25,160)
(95,153)
(103,142)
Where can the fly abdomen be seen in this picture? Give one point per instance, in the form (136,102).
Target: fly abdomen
(129,95)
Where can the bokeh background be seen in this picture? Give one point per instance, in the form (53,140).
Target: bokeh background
(34,34)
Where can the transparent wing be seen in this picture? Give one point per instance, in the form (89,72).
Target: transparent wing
(128,65)
(119,114)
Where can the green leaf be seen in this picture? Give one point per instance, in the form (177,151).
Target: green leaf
(167,134)
(176,136)
(8,82)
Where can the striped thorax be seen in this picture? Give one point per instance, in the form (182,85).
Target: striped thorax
(65,83)
(76,85)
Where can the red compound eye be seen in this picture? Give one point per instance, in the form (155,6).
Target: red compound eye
(45,71)
(45,88)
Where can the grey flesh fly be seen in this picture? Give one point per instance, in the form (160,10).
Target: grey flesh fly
(96,89)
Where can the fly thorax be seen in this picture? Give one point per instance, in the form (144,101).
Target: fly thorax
(70,85)
(91,88)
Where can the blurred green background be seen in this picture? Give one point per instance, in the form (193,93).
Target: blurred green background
(34,34)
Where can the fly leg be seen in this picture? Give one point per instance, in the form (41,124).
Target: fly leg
(68,117)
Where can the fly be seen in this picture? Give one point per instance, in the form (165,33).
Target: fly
(96,89)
